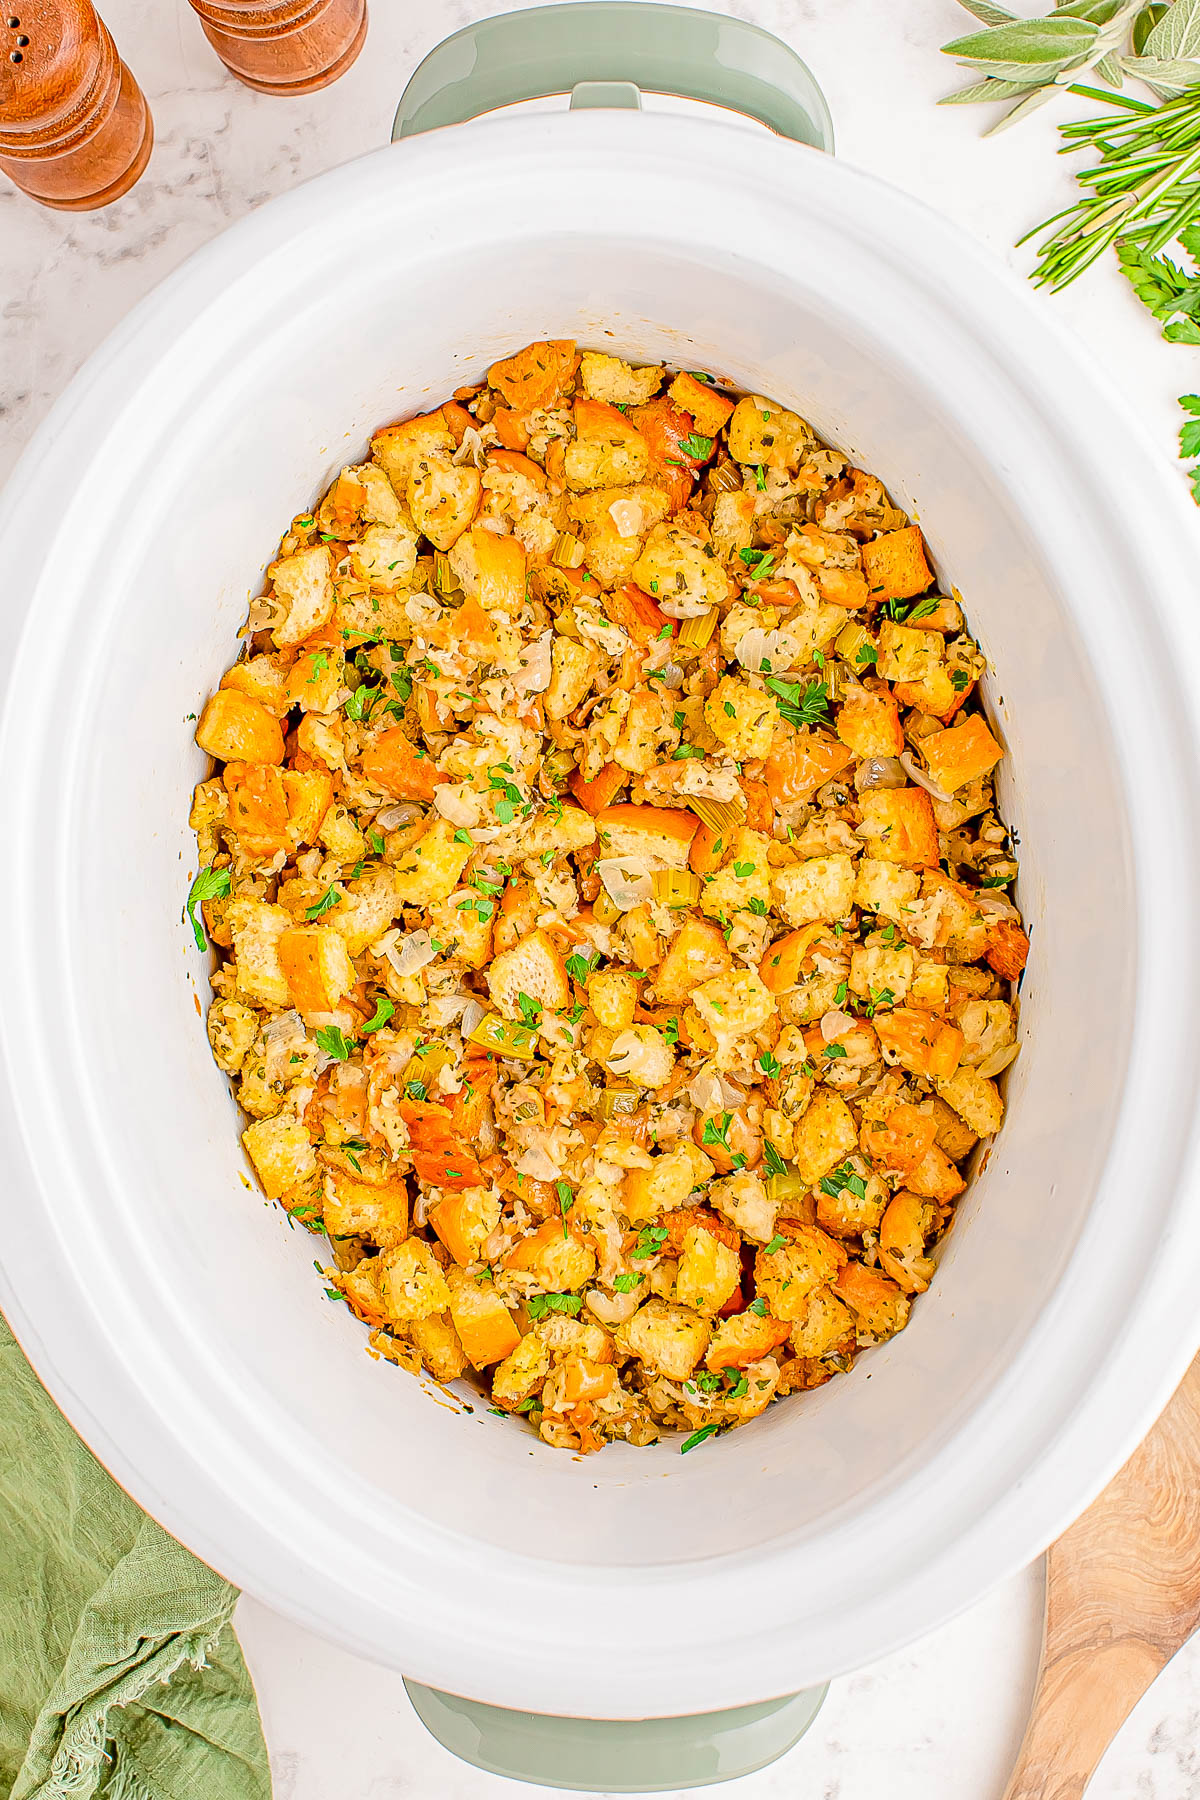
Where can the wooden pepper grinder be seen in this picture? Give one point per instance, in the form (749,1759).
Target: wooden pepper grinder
(75,130)
(285,46)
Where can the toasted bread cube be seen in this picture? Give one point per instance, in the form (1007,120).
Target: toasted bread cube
(908,654)
(964,753)
(611,379)
(464,1221)
(317,967)
(907,1222)
(659,835)
(486,1329)
(709,408)
(1007,949)
(392,762)
(974,1098)
(919,1042)
(709,1271)
(824,1137)
(464,922)
(642,1055)
(733,1004)
(744,1338)
(613,997)
(786,1277)
(895,565)
(898,826)
(260,678)
(256,928)
(232,1028)
(886,888)
(733,531)
(534,967)
(316,679)
(281,1151)
(521,1372)
(385,555)
(309,797)
(375,1210)
(536,376)
(429,870)
(882,969)
(572,669)
(762,432)
(500,562)
(745,878)
(848,1213)
(935,1177)
(870,725)
(880,1309)
(368,906)
(399,448)
(440,1346)
(899,1140)
(303,584)
(234,728)
(742,1198)
(411,1283)
(606,451)
(697,953)
(666,1184)
(824,1325)
(670,1338)
(822,887)
(742,718)
(962,929)
(930,986)
(680,572)
(951,1133)
(443,498)
(258,810)
(561,1264)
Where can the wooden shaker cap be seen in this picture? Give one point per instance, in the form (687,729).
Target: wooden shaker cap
(75,130)
(284,46)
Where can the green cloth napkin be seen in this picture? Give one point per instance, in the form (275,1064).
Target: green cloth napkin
(120,1673)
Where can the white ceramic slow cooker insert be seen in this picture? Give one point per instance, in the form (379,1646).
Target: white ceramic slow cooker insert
(175,1316)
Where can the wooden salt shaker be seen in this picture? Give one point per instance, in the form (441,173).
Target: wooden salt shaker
(75,130)
(285,46)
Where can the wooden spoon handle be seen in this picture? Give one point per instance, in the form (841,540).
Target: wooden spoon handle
(1122,1595)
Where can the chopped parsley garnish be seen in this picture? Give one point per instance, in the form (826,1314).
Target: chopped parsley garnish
(774,1163)
(923,608)
(777,1243)
(697,1437)
(696,447)
(717,1134)
(834,1050)
(539,1305)
(866,655)
(758,1308)
(800,703)
(334,1042)
(529,1009)
(758,907)
(650,1241)
(463,836)
(329,899)
(384,1010)
(210,884)
(760,479)
(684,751)
(359,705)
(770,1065)
(625,1284)
(758,562)
(739,1387)
(566,1200)
(844,1178)
(743,869)
(670,1031)
(580,967)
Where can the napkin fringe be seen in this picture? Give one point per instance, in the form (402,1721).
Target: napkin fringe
(76,1769)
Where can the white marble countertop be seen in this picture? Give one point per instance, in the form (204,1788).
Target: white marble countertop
(941,1720)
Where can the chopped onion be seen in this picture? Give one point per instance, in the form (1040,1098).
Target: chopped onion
(671,675)
(534,674)
(627,880)
(457,802)
(704,1091)
(999,1060)
(629,517)
(778,649)
(422,609)
(538,1165)
(914,770)
(879,772)
(391,818)
(836,1024)
(612,1309)
(473,1012)
(995,904)
(472,446)
(412,952)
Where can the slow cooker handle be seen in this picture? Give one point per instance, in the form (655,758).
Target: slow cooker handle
(602,52)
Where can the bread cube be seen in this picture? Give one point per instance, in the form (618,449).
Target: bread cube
(745,878)
(464,922)
(572,670)
(315,680)
(1007,949)
(886,888)
(824,1325)
(680,572)
(657,835)
(397,766)
(281,1151)
(709,1271)
(303,585)
(870,725)
(709,408)
(559,1264)
(849,1212)
(255,929)
(606,451)
(670,1338)
(369,905)
(640,1054)
(742,718)
(964,753)
(762,432)
(260,678)
(895,565)
(613,997)
(486,1329)
(962,930)
(951,1133)
(880,1309)
(385,556)
(464,1221)
(534,967)
(907,1222)
(234,728)
(898,1139)
(666,1184)
(429,870)
(522,1372)
(908,654)
(974,1098)
(399,448)
(742,1198)
(411,1283)
(232,1028)
(258,806)
(935,1177)
(744,1338)
(443,498)
(316,966)
(824,1137)
(697,953)
(787,1276)
(930,986)
(898,826)
(882,969)
(356,1208)
(440,1346)
(734,1004)
(537,375)
(822,887)
(919,1042)
(611,379)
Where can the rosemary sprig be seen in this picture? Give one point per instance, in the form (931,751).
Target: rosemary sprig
(1144,188)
